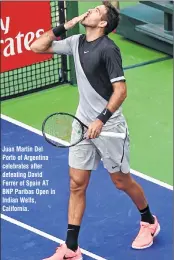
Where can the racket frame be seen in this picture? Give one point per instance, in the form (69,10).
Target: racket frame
(83,126)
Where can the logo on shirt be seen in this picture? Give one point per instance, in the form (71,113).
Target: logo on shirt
(86,51)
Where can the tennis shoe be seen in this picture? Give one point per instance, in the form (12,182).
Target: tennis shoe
(62,253)
(146,235)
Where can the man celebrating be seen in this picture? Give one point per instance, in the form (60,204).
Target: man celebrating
(102,90)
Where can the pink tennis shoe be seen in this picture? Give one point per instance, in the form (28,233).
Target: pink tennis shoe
(63,252)
(146,235)
(143,240)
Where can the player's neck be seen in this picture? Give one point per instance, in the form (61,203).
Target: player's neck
(93,34)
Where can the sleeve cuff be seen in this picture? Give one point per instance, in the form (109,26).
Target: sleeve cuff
(122,78)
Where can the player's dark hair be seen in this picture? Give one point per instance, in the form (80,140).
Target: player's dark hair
(112,17)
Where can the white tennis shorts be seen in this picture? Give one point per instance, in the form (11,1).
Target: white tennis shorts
(113,151)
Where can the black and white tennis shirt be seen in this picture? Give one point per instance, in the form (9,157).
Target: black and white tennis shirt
(98,64)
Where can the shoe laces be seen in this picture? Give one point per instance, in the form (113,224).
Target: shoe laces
(144,230)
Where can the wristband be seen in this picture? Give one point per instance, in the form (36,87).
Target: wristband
(59,30)
(105,115)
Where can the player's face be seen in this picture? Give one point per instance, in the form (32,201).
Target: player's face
(95,17)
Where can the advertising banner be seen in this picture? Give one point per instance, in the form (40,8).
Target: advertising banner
(18,31)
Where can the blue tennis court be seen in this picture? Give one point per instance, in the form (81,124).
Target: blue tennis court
(110,223)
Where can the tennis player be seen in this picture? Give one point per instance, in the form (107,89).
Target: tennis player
(102,90)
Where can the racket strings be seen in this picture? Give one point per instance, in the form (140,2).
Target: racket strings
(63,130)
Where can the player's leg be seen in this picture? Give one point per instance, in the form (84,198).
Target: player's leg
(79,180)
(126,183)
(119,169)
(115,154)
(83,158)
(149,226)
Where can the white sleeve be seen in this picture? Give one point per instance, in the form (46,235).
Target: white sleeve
(62,46)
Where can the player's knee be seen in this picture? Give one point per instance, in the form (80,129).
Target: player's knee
(120,185)
(77,186)
(122,181)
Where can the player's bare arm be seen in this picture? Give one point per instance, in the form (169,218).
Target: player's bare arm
(44,42)
(118,96)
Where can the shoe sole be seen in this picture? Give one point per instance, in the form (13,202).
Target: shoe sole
(149,245)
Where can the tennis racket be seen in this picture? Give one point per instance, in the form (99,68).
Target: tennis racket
(65,130)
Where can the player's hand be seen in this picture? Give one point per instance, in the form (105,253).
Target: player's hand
(94,129)
(70,24)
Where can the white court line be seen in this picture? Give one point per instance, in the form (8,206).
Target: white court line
(43,234)
(148,178)
(139,174)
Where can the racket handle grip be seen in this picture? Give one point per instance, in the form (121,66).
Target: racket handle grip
(111,134)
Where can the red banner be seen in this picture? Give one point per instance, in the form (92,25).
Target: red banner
(20,24)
